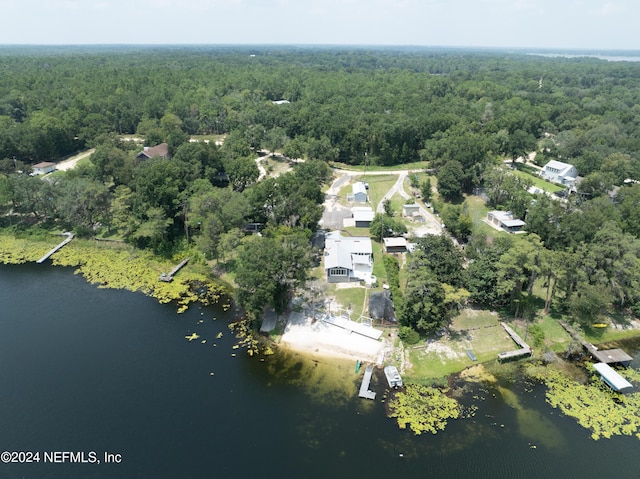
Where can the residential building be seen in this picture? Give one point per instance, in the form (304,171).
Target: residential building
(348,258)
(504,220)
(558,172)
(362,216)
(43,168)
(161,150)
(359,192)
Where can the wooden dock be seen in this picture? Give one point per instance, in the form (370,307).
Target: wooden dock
(607,356)
(365,392)
(169,276)
(69,237)
(524,350)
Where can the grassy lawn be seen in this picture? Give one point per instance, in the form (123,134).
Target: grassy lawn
(529,173)
(351,298)
(416,165)
(478,211)
(379,185)
(476,330)
(276,166)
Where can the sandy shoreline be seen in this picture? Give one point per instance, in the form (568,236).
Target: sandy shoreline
(322,339)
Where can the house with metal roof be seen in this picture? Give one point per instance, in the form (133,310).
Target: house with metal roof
(362,216)
(559,172)
(359,192)
(348,258)
(504,220)
(612,378)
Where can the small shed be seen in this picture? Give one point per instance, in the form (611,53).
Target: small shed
(410,210)
(395,245)
(43,168)
(362,216)
(359,192)
(612,378)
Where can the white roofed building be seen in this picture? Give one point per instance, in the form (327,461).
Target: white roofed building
(558,172)
(348,258)
(505,221)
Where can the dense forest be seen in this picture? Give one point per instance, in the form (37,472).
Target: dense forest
(461,112)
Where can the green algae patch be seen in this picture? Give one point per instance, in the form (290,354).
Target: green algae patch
(422,408)
(594,405)
(117,267)
(19,250)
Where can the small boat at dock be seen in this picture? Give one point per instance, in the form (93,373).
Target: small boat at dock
(393,377)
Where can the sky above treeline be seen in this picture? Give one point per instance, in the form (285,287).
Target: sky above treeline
(554,24)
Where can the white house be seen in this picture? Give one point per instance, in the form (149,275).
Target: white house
(348,258)
(504,220)
(362,216)
(558,172)
(43,168)
(359,192)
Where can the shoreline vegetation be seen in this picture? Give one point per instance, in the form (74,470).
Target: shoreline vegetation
(235,157)
(419,407)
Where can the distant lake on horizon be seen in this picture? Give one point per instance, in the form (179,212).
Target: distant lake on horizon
(98,370)
(607,57)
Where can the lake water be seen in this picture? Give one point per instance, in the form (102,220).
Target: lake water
(84,369)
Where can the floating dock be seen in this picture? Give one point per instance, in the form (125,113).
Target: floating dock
(524,350)
(365,392)
(169,276)
(69,237)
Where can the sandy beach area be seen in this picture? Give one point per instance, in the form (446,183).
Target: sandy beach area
(323,339)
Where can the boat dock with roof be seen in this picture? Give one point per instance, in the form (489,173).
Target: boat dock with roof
(607,356)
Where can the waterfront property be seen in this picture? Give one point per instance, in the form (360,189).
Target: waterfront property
(348,258)
(612,378)
(168,277)
(607,356)
(505,221)
(525,349)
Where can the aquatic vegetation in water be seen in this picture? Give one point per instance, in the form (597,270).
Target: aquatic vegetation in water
(422,408)
(117,267)
(594,405)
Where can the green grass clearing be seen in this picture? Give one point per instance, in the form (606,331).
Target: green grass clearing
(476,330)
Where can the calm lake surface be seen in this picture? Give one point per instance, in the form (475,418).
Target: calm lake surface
(85,369)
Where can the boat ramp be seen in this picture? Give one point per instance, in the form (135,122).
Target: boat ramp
(69,237)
